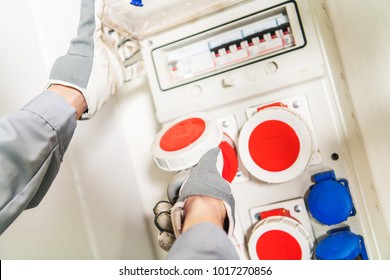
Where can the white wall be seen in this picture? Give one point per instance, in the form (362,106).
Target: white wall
(93,210)
(361,29)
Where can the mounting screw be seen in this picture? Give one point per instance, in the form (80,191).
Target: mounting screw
(225,124)
(298,208)
(296,104)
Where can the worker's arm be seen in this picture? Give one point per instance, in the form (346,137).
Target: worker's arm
(33,141)
(32,145)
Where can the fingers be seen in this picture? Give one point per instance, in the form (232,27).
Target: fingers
(127,49)
(165,240)
(162,206)
(133,71)
(162,221)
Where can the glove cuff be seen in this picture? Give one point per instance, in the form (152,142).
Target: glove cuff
(177,215)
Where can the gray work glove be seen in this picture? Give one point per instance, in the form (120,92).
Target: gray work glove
(94,63)
(204,179)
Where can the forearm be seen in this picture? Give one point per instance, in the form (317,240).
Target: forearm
(32,144)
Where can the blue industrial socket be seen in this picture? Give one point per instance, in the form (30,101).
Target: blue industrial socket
(137,3)
(330,201)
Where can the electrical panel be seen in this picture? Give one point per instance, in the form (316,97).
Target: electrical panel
(264,76)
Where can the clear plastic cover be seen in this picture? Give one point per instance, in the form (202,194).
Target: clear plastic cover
(238,42)
(157,15)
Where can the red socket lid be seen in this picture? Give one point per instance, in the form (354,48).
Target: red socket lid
(182,134)
(230,161)
(275,145)
(278,245)
(181,144)
(280,238)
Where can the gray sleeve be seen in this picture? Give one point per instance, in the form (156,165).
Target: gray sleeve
(32,144)
(203,241)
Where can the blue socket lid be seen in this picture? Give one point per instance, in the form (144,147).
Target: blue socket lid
(137,3)
(330,202)
(342,245)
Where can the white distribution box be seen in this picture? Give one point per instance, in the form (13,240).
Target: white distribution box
(272,67)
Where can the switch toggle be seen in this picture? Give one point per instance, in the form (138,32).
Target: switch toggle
(229,81)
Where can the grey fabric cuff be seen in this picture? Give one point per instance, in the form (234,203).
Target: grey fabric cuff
(58,113)
(73,70)
(204,241)
(76,66)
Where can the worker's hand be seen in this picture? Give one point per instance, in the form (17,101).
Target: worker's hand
(202,180)
(163,222)
(95,61)
(162,211)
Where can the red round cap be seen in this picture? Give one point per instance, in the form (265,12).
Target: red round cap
(274,146)
(278,245)
(181,144)
(280,238)
(182,134)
